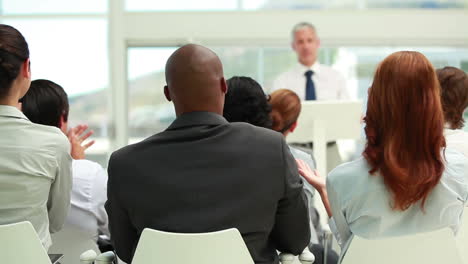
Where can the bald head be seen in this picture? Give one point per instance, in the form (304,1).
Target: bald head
(195,80)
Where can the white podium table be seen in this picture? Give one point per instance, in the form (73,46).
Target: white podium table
(324,121)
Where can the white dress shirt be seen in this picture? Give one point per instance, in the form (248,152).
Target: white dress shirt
(35,173)
(457,139)
(89,193)
(361,203)
(329,83)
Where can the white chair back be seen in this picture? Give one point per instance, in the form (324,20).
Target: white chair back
(226,246)
(71,242)
(19,244)
(429,248)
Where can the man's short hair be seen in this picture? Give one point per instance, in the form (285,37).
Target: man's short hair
(45,102)
(301,26)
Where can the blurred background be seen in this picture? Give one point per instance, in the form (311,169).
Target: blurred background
(109,55)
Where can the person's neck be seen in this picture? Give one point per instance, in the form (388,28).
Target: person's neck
(184,110)
(307,64)
(10,100)
(14,94)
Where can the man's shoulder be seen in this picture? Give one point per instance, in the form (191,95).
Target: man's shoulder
(123,152)
(226,134)
(255,131)
(52,138)
(329,71)
(348,172)
(291,71)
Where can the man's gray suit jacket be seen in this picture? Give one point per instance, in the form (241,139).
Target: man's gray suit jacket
(204,174)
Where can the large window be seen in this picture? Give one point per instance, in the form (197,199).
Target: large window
(69,45)
(73,53)
(231,5)
(17,7)
(149,112)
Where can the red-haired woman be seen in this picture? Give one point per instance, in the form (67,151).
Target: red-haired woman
(454,85)
(406,181)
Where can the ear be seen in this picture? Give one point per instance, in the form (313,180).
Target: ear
(166,93)
(293,127)
(318,42)
(26,69)
(224,87)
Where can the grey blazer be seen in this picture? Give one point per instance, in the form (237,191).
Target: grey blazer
(204,174)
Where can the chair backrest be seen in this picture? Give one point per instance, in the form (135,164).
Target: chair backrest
(429,248)
(71,242)
(226,246)
(19,244)
(462,238)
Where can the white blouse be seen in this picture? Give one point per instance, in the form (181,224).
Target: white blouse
(457,139)
(35,174)
(88,196)
(361,203)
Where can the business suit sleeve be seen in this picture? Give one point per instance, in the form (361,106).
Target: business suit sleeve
(123,235)
(291,232)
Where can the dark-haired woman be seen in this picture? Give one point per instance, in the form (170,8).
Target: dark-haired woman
(454,86)
(406,181)
(35,162)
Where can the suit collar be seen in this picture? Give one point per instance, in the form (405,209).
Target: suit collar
(197,119)
(11,111)
(302,68)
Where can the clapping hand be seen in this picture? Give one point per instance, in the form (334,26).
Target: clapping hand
(77,136)
(317,181)
(311,176)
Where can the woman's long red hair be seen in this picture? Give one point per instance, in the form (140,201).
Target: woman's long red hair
(404,128)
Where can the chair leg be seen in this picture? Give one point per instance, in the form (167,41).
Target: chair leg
(88,257)
(286,258)
(327,244)
(306,257)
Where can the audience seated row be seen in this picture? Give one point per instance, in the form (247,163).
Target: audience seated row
(204,174)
